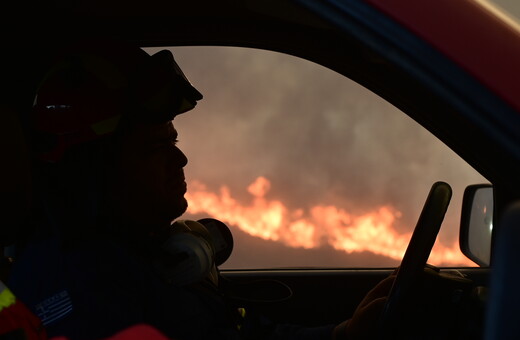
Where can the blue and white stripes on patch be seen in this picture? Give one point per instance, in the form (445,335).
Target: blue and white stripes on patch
(54,307)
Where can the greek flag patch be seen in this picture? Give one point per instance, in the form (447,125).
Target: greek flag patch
(54,307)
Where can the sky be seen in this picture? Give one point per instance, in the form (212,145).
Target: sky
(307,167)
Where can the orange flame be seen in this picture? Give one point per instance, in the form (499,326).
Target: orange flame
(272,220)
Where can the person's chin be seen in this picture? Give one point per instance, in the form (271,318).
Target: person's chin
(184,205)
(179,208)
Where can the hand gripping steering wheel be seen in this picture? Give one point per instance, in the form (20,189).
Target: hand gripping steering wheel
(414,259)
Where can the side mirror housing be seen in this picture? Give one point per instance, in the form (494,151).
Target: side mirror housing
(476,227)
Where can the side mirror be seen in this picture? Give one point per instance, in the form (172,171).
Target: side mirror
(476,227)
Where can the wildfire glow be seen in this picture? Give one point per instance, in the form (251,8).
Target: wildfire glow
(272,220)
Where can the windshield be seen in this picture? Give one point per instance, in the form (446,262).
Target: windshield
(308,168)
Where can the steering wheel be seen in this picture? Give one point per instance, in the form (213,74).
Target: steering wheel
(415,257)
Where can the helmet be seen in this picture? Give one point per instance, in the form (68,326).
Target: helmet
(92,86)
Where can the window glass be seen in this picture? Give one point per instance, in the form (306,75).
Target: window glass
(308,168)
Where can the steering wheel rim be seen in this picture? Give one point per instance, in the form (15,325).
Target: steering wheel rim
(415,257)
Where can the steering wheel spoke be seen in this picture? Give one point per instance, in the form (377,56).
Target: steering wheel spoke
(410,271)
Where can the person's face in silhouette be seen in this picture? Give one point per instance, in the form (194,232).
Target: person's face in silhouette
(151,186)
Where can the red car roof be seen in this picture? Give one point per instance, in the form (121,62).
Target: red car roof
(472,33)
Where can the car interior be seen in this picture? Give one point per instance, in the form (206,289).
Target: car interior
(362,45)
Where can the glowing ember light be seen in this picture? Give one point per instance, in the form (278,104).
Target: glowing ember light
(272,220)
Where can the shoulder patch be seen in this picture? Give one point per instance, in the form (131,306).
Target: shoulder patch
(54,308)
